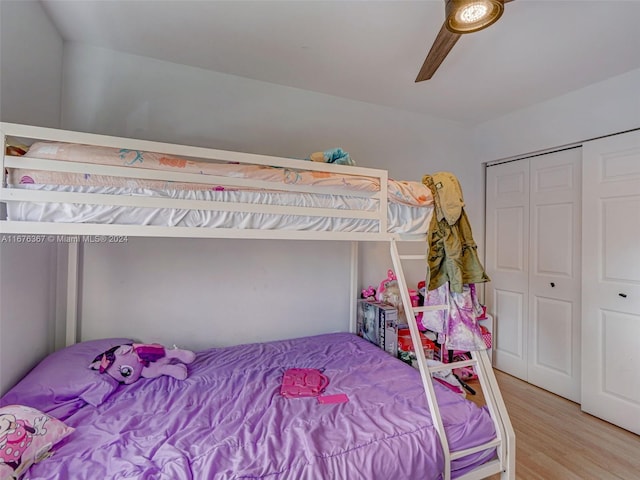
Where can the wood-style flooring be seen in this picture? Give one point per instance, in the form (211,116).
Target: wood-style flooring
(555,440)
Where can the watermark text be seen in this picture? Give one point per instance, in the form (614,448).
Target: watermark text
(18,238)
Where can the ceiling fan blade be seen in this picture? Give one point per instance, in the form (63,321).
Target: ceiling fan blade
(441,47)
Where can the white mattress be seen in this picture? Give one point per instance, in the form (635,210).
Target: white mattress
(402,219)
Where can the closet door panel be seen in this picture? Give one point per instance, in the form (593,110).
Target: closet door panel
(553,330)
(620,242)
(554,240)
(511,358)
(507,264)
(555,273)
(620,333)
(611,280)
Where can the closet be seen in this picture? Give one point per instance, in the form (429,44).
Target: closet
(533,256)
(611,280)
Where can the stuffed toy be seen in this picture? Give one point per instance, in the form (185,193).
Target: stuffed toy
(389,292)
(127,363)
(333,155)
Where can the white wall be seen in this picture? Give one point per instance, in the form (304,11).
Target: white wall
(31,63)
(139,97)
(200,292)
(125,95)
(605,108)
(31,52)
(27,306)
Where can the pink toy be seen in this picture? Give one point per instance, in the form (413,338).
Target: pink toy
(389,288)
(389,292)
(127,363)
(369,293)
(303,382)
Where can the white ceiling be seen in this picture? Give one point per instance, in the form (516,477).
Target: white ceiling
(371,51)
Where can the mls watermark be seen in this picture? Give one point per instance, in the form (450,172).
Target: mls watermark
(38,239)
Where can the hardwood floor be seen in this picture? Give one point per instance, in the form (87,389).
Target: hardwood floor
(555,440)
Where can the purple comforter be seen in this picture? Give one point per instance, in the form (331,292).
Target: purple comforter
(228,421)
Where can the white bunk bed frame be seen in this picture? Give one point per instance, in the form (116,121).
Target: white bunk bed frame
(36,232)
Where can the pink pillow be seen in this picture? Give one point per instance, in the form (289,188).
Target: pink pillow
(26,437)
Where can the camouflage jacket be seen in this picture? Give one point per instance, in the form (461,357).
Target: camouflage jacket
(453,254)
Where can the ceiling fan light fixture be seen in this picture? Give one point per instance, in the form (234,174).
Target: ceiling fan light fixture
(467,16)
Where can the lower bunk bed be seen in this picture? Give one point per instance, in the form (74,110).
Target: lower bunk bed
(228,420)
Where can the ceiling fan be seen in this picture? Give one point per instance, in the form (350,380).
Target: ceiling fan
(461,17)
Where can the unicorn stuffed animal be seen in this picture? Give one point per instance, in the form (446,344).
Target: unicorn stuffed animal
(127,363)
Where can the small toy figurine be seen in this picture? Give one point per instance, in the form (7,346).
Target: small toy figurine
(127,363)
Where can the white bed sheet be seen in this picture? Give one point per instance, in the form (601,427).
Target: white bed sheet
(402,219)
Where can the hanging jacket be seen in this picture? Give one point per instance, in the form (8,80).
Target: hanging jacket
(453,254)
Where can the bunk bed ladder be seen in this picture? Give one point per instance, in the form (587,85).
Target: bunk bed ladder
(505,437)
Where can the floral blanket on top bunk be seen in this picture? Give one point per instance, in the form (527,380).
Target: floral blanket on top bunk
(403,192)
(228,420)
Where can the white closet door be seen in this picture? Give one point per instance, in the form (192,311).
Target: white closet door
(611,280)
(533,259)
(507,263)
(554,273)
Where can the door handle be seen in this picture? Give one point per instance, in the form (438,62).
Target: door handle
(623,295)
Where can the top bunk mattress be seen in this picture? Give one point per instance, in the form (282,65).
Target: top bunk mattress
(402,219)
(409,205)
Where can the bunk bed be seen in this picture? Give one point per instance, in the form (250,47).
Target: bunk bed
(226,420)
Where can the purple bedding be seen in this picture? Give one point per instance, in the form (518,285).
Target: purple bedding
(228,421)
